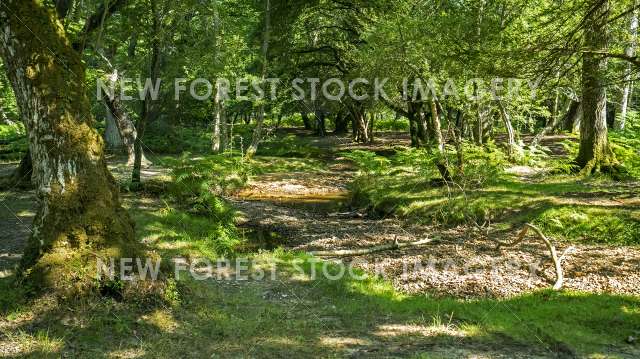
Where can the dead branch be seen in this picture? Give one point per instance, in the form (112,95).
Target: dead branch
(552,249)
(363,251)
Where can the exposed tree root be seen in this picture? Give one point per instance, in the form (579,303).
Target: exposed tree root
(557,261)
(380,248)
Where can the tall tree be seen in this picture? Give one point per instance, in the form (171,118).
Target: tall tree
(257,132)
(595,152)
(630,51)
(154,70)
(79,207)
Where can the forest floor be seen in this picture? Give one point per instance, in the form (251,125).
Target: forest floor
(309,211)
(459,296)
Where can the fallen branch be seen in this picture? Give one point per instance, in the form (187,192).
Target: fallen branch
(363,251)
(554,254)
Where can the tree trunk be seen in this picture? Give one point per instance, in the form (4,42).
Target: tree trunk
(458,138)
(342,124)
(511,133)
(479,133)
(257,131)
(595,153)
(372,119)
(413,132)
(219,139)
(437,127)
(321,124)
(417,125)
(79,213)
(626,91)
(138,159)
(360,129)
(423,128)
(126,129)
(111,134)
(306,120)
(572,116)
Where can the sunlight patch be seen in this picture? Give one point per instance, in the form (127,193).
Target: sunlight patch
(162,320)
(396,330)
(338,342)
(128,353)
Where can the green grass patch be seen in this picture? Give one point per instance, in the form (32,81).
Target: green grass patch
(587,210)
(298,316)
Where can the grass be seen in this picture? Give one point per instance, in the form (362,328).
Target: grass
(303,317)
(586,210)
(296,315)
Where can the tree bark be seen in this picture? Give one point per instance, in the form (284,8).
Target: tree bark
(257,131)
(126,129)
(342,124)
(511,133)
(573,116)
(111,134)
(360,122)
(321,123)
(219,136)
(79,207)
(626,91)
(437,126)
(141,125)
(595,153)
(219,140)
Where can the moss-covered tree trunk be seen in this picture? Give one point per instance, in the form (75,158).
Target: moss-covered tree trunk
(595,153)
(79,215)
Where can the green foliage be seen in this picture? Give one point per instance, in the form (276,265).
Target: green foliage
(403,185)
(592,224)
(13,142)
(288,146)
(205,216)
(626,146)
(199,182)
(368,162)
(482,165)
(171,293)
(178,139)
(391,124)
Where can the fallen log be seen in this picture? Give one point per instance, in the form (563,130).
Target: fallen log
(557,262)
(362,251)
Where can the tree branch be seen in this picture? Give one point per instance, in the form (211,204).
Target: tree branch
(95,20)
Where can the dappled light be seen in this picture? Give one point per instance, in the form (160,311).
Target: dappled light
(336,178)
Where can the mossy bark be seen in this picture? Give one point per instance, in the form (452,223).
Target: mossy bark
(595,153)
(80,215)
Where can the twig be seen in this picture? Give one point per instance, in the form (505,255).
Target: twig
(552,249)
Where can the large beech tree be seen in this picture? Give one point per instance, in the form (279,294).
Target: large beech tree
(80,215)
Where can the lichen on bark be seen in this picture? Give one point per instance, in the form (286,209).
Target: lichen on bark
(80,216)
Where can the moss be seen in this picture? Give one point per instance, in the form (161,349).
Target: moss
(81,217)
